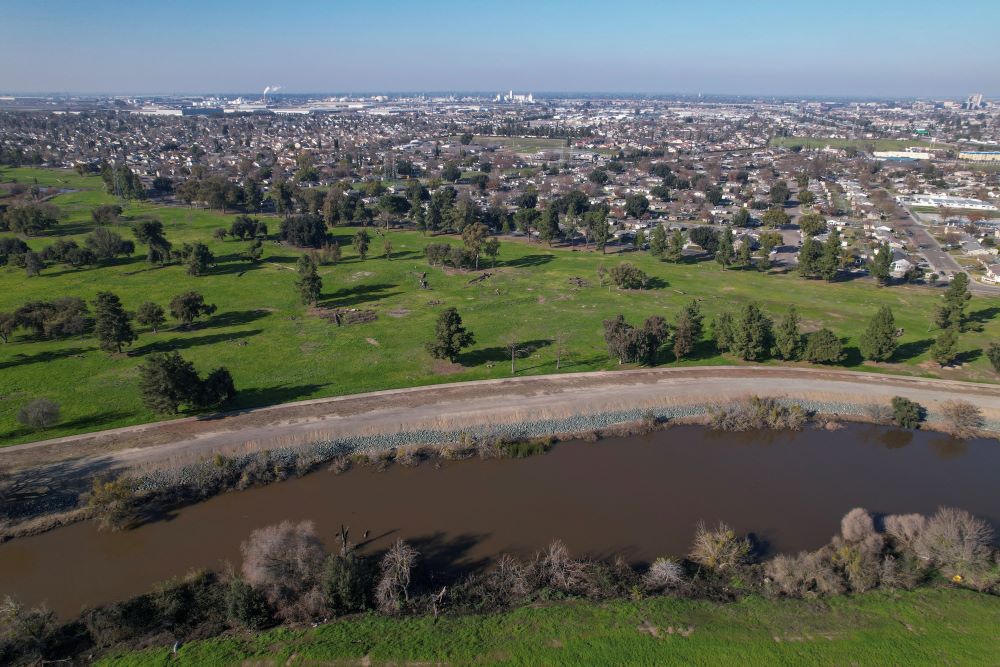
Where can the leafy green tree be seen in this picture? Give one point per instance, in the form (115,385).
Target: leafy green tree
(189,306)
(775,217)
(945,348)
(150,234)
(525,220)
(451,172)
(600,230)
(449,336)
(658,242)
(548,225)
(752,335)
(878,342)
(787,337)
(599,176)
(629,276)
(636,206)
(675,248)
(474,237)
(812,224)
(779,193)
(491,248)
(111,323)
(255,251)
(742,218)
(880,264)
(823,347)
(106,244)
(744,258)
(198,258)
(33,264)
(360,243)
(309,284)
(705,237)
(806,198)
(802,180)
(167,381)
(150,315)
(714,195)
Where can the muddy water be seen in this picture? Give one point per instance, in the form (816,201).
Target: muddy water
(640,497)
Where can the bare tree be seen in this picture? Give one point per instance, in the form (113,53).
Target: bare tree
(515,347)
(284,562)
(393,589)
(662,574)
(963,418)
(955,540)
(857,525)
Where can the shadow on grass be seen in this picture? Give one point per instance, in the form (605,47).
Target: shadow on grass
(980,317)
(231,319)
(352,296)
(912,349)
(258,397)
(968,356)
(40,357)
(528,260)
(192,341)
(500,353)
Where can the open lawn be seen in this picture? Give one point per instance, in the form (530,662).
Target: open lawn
(521,144)
(860,144)
(925,627)
(279,351)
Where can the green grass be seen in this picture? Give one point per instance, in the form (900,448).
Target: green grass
(926,627)
(861,144)
(522,144)
(292,355)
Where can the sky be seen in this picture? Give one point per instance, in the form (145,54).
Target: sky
(877,48)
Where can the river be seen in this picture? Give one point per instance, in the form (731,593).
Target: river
(640,497)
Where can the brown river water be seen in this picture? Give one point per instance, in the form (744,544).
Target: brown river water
(640,497)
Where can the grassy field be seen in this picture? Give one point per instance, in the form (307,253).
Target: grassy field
(927,627)
(860,144)
(522,144)
(278,351)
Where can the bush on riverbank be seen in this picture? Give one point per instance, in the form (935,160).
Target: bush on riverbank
(755,414)
(288,577)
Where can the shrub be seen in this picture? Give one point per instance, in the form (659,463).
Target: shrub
(860,561)
(556,569)
(246,607)
(904,529)
(857,525)
(757,413)
(907,413)
(346,582)
(522,449)
(992,353)
(628,276)
(805,574)
(284,563)
(664,573)
(962,418)
(38,413)
(719,548)
(823,347)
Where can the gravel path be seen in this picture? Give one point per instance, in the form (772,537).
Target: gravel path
(466,406)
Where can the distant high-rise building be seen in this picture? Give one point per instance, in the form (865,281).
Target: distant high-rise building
(974,101)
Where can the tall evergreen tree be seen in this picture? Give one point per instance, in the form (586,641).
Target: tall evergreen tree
(878,342)
(675,247)
(787,337)
(723,331)
(945,348)
(688,330)
(881,263)
(449,336)
(111,323)
(752,335)
(809,255)
(724,255)
(829,261)
(309,284)
(952,312)
(658,242)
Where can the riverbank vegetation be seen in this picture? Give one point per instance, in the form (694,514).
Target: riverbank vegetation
(369,315)
(288,578)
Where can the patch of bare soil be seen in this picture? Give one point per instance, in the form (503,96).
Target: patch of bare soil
(372,341)
(445,367)
(358,275)
(398,312)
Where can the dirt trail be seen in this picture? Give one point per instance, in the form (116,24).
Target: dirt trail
(466,405)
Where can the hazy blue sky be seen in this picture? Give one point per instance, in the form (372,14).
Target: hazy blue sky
(878,47)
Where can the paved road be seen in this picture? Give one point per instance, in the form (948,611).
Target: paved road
(941,262)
